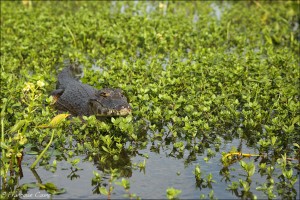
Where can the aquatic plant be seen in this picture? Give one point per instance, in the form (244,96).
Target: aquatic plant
(198,75)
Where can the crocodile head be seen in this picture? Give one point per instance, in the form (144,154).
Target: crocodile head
(109,102)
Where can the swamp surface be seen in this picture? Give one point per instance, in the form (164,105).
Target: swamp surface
(214,88)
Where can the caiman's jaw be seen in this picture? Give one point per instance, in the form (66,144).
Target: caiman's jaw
(124,111)
(109,102)
(110,112)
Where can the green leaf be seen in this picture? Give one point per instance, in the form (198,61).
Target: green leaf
(50,186)
(3,145)
(17,126)
(75,161)
(105,149)
(273,140)
(296,145)
(172,193)
(32,153)
(125,183)
(243,164)
(295,120)
(103,191)
(251,170)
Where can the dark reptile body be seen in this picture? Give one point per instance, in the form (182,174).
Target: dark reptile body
(75,96)
(82,99)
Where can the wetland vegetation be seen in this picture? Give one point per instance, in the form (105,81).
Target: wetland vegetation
(214,88)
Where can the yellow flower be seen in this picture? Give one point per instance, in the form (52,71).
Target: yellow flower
(19,154)
(28,86)
(40,83)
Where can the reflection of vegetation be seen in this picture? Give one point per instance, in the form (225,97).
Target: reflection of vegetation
(108,188)
(193,79)
(123,163)
(202,182)
(285,185)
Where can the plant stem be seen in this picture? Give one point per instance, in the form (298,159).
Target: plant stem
(2,141)
(43,152)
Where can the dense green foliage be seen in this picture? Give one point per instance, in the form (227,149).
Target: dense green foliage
(193,78)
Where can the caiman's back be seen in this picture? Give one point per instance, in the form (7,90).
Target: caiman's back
(68,76)
(72,95)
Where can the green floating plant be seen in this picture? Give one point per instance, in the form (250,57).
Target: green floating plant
(197,80)
(173,193)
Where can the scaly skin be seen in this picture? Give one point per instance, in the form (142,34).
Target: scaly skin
(82,99)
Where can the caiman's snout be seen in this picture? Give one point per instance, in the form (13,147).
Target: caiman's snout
(110,102)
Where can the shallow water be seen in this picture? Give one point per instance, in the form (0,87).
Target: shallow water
(161,172)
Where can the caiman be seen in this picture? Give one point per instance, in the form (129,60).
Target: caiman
(84,100)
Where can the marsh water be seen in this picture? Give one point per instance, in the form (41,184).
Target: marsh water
(161,172)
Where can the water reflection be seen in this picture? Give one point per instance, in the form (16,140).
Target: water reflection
(122,163)
(165,167)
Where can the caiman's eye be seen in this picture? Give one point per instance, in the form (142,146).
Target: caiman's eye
(104,94)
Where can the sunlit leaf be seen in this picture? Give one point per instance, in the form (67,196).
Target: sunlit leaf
(55,121)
